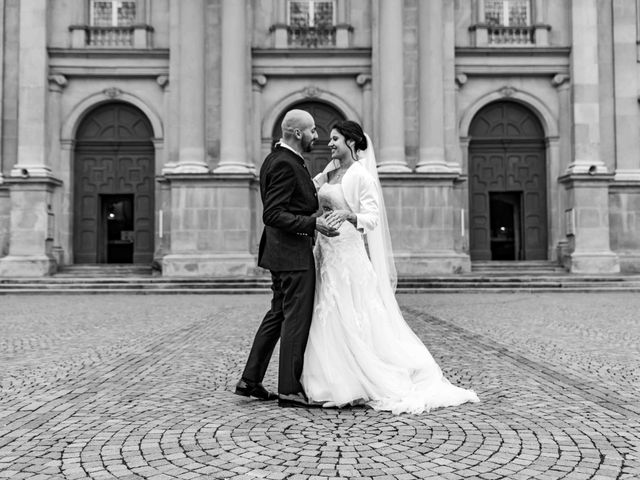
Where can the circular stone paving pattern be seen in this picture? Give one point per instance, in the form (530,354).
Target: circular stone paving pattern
(225,436)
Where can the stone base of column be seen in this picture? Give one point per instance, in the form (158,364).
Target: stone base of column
(213,226)
(393,168)
(432,263)
(629,262)
(627,175)
(209,265)
(234,169)
(27,266)
(594,262)
(582,168)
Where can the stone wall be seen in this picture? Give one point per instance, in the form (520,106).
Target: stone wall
(5,217)
(624,219)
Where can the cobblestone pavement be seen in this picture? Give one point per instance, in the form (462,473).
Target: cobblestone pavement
(139,387)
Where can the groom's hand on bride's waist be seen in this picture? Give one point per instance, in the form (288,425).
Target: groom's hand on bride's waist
(323,227)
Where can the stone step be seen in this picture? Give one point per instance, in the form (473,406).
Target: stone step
(458,283)
(104,270)
(528,266)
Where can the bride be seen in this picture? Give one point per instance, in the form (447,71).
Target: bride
(360,350)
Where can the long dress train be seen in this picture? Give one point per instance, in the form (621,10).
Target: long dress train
(360,349)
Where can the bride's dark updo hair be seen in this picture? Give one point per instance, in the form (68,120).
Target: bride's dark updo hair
(351,130)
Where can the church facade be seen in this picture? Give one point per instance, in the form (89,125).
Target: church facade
(132,131)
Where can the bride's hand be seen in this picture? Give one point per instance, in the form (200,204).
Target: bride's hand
(337,217)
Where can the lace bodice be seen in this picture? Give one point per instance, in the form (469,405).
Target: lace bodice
(331,197)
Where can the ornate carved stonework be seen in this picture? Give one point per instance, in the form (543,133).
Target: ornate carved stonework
(112,92)
(163,80)
(560,79)
(507,91)
(57,82)
(311,92)
(363,80)
(461,79)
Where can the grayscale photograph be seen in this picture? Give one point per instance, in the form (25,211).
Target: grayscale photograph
(319,239)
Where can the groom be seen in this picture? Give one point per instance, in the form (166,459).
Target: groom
(286,249)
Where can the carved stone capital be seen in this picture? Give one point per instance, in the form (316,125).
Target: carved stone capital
(163,81)
(258,82)
(560,79)
(461,79)
(364,80)
(57,82)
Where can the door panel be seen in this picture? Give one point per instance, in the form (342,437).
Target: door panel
(507,154)
(113,156)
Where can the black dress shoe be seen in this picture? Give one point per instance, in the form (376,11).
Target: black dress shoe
(255,390)
(296,400)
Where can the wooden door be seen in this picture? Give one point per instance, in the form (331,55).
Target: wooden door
(114,156)
(507,154)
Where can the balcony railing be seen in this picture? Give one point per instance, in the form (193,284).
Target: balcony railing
(110,36)
(500,35)
(130,36)
(311,37)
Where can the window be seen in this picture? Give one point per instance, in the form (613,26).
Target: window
(313,14)
(508,13)
(112,13)
(311,23)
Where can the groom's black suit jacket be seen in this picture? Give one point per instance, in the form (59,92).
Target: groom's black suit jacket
(289,200)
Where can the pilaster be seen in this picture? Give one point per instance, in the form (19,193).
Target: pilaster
(191,105)
(32,158)
(422,213)
(627,123)
(234,71)
(587,224)
(431,109)
(31,228)
(391,156)
(586,86)
(211,225)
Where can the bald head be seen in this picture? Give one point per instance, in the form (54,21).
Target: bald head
(299,119)
(299,130)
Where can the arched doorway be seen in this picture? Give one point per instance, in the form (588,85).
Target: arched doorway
(507,184)
(325,116)
(113,176)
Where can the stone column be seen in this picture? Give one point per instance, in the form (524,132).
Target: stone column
(586,180)
(480,30)
(191,109)
(234,71)
(343,29)
(258,83)
(627,139)
(57,84)
(33,90)
(2,47)
(586,85)
(31,183)
(279,28)
(431,109)
(391,157)
(540,24)
(364,81)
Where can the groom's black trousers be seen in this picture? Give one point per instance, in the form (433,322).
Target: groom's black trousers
(289,320)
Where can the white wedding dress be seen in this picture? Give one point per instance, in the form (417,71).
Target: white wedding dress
(360,349)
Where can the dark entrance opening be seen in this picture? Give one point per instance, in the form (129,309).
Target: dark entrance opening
(506,225)
(114,173)
(507,184)
(118,228)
